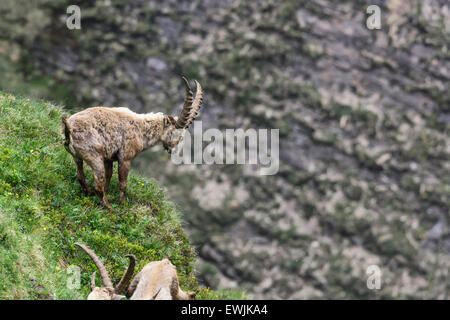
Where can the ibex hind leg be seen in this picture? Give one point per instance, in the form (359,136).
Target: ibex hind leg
(108,174)
(81,178)
(124,168)
(98,168)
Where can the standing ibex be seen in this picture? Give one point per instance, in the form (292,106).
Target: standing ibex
(102,135)
(158,280)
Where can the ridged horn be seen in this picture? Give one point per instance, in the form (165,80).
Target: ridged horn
(93,281)
(196,104)
(122,287)
(106,280)
(185,112)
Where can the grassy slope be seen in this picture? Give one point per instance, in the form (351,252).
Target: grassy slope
(43,212)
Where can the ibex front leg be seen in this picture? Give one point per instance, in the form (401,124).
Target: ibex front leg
(124,168)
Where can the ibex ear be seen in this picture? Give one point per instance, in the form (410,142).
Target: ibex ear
(165,121)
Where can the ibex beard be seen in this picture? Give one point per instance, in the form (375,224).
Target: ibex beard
(99,136)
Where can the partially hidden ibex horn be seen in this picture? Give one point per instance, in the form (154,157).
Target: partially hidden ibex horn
(122,287)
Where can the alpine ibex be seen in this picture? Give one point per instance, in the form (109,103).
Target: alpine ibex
(102,135)
(158,280)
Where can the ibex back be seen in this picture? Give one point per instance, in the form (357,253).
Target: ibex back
(102,135)
(158,280)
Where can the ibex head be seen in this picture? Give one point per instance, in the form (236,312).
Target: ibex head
(108,291)
(174,127)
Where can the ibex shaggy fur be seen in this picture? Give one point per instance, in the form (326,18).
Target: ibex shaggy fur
(158,280)
(102,135)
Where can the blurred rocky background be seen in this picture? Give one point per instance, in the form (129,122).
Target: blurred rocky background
(364,118)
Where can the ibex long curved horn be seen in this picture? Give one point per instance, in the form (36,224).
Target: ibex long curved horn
(191,106)
(106,280)
(93,281)
(122,287)
(184,116)
(196,104)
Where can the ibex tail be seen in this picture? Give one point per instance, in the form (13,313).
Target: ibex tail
(66,129)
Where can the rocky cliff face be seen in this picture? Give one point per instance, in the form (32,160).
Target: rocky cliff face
(364,118)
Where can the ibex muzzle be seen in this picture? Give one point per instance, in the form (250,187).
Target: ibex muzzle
(99,136)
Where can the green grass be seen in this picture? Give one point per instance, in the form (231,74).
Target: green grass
(208,294)
(43,212)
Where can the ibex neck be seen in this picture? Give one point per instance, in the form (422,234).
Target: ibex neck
(152,130)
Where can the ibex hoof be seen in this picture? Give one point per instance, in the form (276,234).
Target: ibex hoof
(108,205)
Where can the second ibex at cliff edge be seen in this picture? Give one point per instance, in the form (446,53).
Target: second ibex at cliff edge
(158,280)
(102,135)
